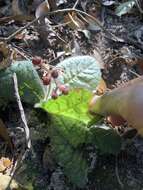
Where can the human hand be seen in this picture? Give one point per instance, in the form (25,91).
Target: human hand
(122,104)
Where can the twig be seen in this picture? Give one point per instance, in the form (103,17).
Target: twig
(16,18)
(27,57)
(18,31)
(60,25)
(89,16)
(22,114)
(23,152)
(61,39)
(76,3)
(18,163)
(16,167)
(117,173)
(83,18)
(56,59)
(133,72)
(64,11)
(48,92)
(131,41)
(139,7)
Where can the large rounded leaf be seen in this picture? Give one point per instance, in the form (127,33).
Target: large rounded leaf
(72,160)
(30,87)
(105,138)
(71,130)
(81,72)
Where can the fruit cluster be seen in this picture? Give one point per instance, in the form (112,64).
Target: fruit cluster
(50,74)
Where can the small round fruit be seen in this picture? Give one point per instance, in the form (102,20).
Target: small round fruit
(36,60)
(46,80)
(64,89)
(54,94)
(54,73)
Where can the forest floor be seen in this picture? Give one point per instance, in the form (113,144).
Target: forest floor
(122,61)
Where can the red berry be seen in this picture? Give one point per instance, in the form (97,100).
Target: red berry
(36,61)
(46,80)
(54,94)
(64,89)
(54,73)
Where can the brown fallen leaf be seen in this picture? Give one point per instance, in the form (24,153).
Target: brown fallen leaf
(43,24)
(4,164)
(42,9)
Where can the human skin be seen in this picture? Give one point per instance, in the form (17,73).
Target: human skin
(122,104)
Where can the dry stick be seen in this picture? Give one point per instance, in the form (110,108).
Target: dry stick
(18,31)
(22,114)
(131,41)
(48,90)
(83,18)
(76,3)
(60,25)
(16,167)
(23,153)
(133,72)
(64,11)
(89,16)
(16,18)
(139,7)
(21,53)
(71,10)
(61,39)
(55,59)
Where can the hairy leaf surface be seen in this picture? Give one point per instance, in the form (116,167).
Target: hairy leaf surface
(81,72)
(30,87)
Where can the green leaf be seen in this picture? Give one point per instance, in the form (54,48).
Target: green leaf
(105,138)
(73,131)
(71,113)
(81,72)
(124,8)
(70,131)
(74,105)
(30,87)
(72,160)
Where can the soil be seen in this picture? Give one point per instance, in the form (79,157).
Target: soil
(122,62)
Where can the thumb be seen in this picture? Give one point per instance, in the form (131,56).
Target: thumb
(95,105)
(104,105)
(99,106)
(125,102)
